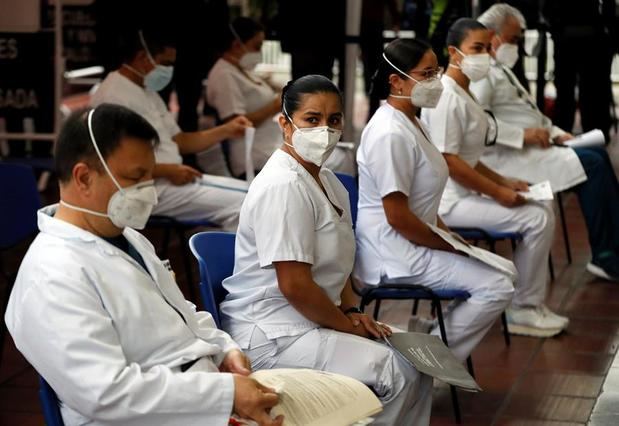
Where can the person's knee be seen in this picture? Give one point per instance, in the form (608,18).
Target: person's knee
(502,288)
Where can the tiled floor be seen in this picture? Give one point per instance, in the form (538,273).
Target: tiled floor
(533,382)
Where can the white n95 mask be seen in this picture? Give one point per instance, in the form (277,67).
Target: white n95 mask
(475,67)
(250,60)
(424,94)
(128,207)
(314,144)
(507,54)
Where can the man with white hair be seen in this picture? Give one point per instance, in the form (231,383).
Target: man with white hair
(530,147)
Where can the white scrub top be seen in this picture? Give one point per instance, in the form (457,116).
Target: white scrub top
(394,156)
(231,93)
(459,126)
(515,111)
(286,217)
(118,89)
(110,336)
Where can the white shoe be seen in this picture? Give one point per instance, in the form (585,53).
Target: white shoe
(421,325)
(599,272)
(557,317)
(534,322)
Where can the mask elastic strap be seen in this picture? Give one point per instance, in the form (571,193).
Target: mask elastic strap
(133,70)
(236,36)
(288,116)
(81,209)
(143,42)
(398,69)
(94,143)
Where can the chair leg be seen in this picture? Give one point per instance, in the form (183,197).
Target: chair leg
(376,309)
(415,307)
(566,238)
(436,306)
(506,335)
(513,241)
(551,267)
(9,281)
(165,244)
(182,239)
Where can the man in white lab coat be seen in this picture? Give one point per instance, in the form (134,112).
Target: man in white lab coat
(184,192)
(100,316)
(529,146)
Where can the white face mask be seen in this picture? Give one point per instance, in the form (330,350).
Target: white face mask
(250,60)
(128,207)
(475,67)
(424,94)
(314,144)
(507,54)
(160,76)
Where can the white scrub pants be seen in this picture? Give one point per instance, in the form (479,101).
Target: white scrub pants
(467,322)
(535,221)
(214,198)
(405,393)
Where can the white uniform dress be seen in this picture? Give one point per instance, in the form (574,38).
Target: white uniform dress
(231,92)
(110,337)
(395,156)
(459,126)
(213,198)
(515,110)
(287,217)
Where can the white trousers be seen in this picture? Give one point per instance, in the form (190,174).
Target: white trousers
(467,322)
(406,394)
(535,221)
(214,198)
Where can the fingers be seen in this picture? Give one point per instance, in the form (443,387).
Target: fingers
(265,389)
(194,172)
(264,419)
(243,121)
(371,326)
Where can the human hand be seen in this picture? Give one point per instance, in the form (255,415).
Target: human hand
(180,174)
(254,401)
(517,185)
(367,327)
(235,128)
(561,139)
(236,362)
(509,198)
(537,136)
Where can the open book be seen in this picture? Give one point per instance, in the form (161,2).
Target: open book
(429,355)
(318,398)
(493,260)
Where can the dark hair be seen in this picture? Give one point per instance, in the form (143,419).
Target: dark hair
(404,54)
(110,124)
(245,29)
(460,29)
(157,40)
(306,85)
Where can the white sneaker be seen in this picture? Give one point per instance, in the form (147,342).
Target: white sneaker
(557,317)
(534,322)
(418,324)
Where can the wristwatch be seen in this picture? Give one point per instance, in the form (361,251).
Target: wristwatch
(353,310)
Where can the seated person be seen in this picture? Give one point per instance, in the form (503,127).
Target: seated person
(401,179)
(290,301)
(100,316)
(526,144)
(184,192)
(233,89)
(478,197)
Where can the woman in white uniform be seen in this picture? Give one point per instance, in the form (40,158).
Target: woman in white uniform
(290,301)
(475,195)
(234,89)
(401,179)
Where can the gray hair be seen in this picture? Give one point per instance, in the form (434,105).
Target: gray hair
(495,16)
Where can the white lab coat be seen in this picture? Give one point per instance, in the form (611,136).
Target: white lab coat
(194,201)
(458,126)
(396,156)
(108,337)
(515,111)
(287,217)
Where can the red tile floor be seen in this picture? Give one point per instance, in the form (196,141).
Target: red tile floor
(533,382)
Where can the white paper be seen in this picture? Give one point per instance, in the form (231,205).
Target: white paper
(250,132)
(590,139)
(539,192)
(491,259)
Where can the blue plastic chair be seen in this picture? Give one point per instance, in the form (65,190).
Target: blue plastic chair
(19,201)
(350,183)
(215,254)
(180,227)
(50,404)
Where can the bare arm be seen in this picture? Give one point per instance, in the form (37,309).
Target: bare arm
(193,142)
(400,217)
(471,178)
(265,113)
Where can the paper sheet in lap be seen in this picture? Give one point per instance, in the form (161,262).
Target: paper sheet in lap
(590,139)
(539,192)
(250,133)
